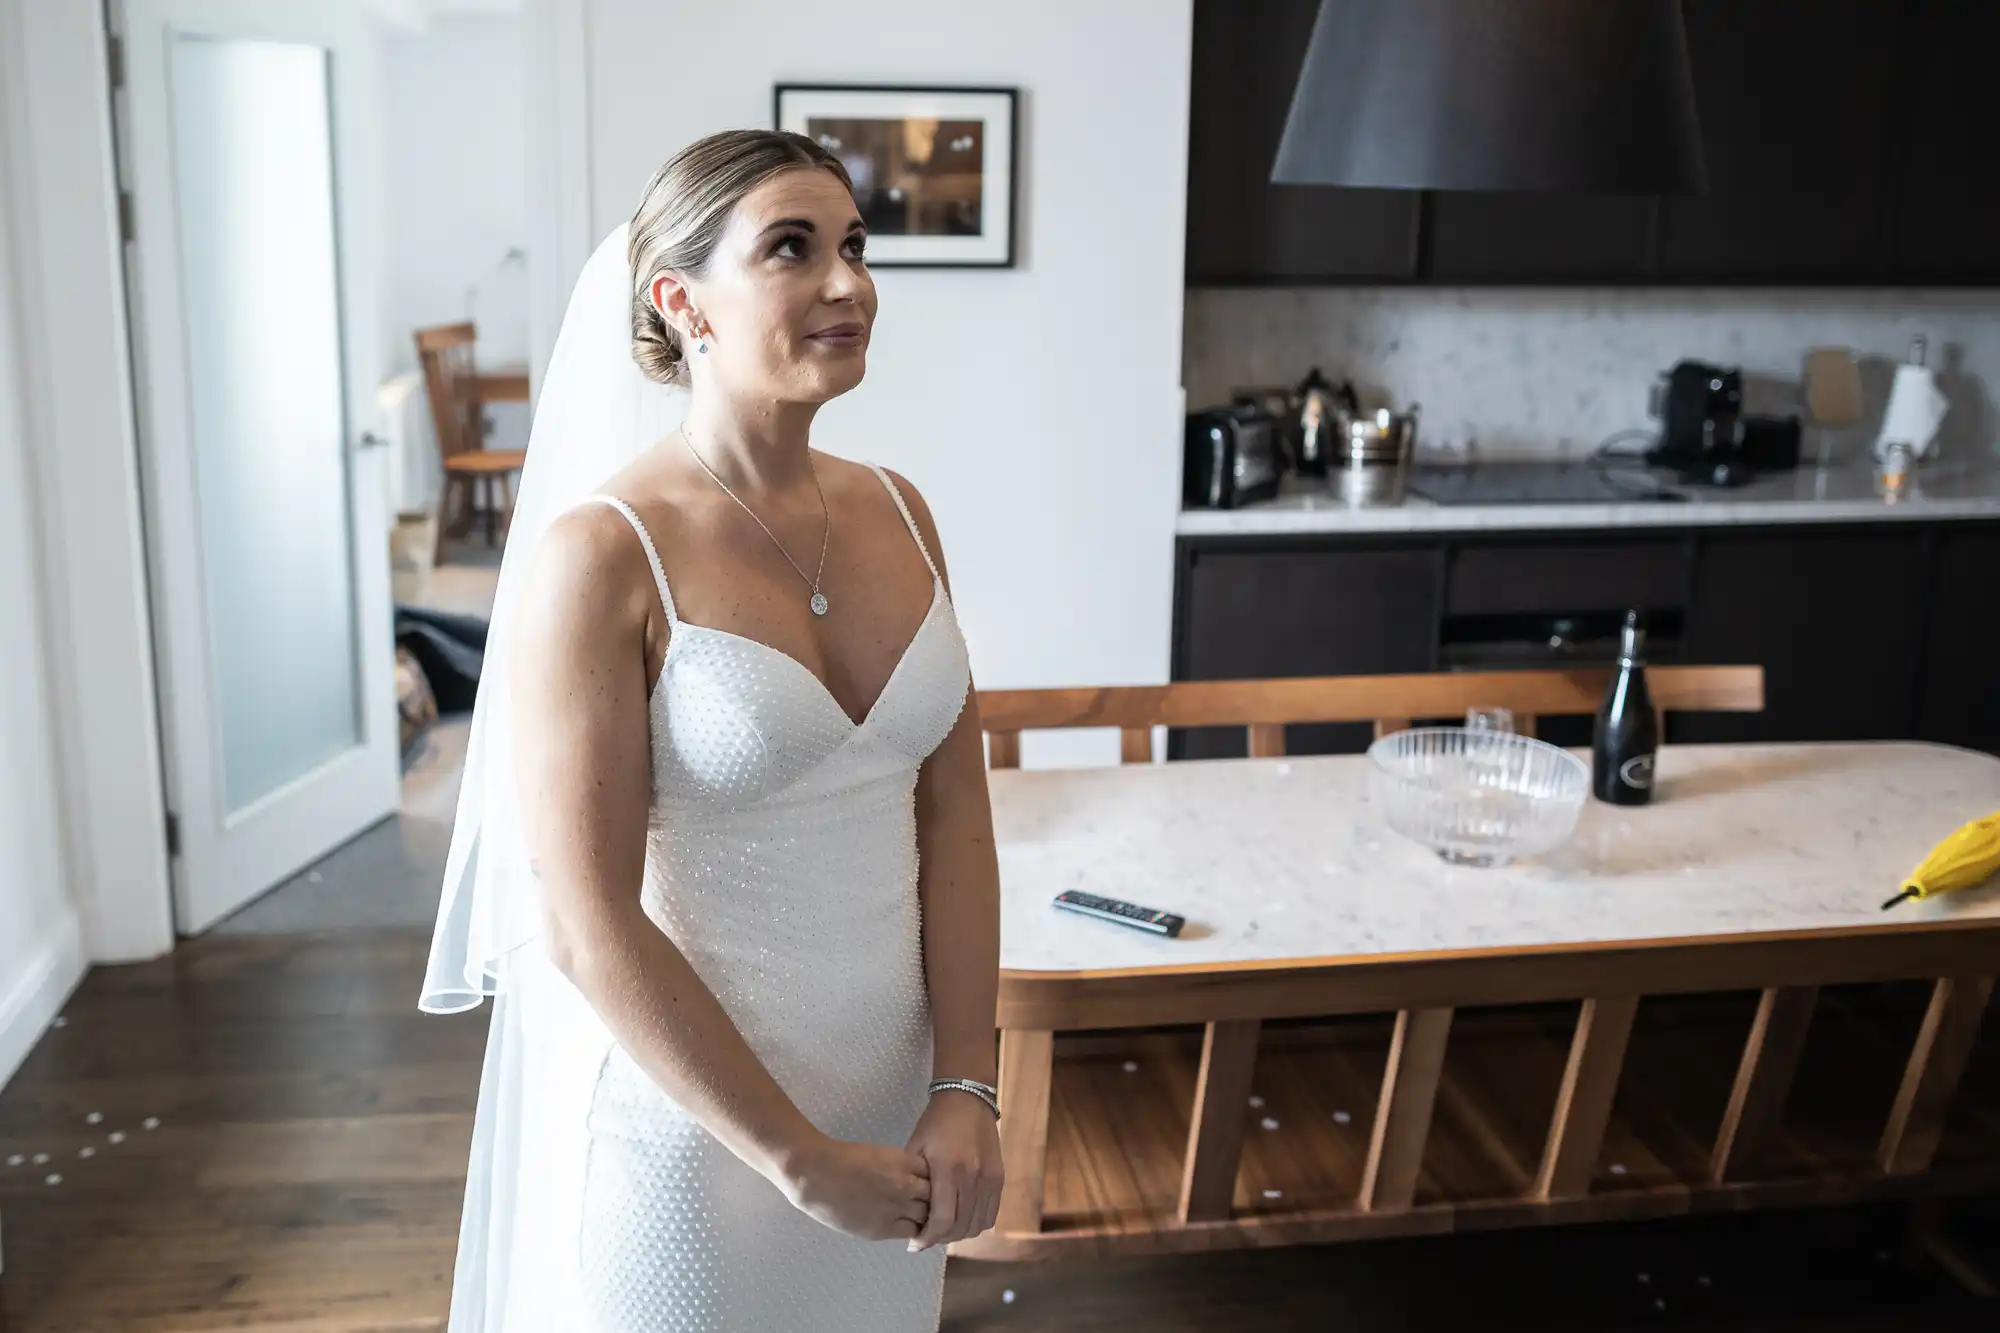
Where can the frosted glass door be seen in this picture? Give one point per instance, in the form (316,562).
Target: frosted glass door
(261,294)
(242,137)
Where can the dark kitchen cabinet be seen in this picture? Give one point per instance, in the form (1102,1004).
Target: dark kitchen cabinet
(1795,100)
(1259,613)
(1835,617)
(1945,205)
(1240,227)
(1487,236)
(1884,631)
(1568,577)
(1959,700)
(1848,142)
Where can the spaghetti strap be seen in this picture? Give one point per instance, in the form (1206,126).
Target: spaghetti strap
(897,495)
(652,555)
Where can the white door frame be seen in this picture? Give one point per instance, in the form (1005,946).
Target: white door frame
(58,176)
(561,233)
(56,173)
(227,857)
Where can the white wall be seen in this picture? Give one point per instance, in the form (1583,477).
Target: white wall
(458,192)
(41,947)
(1555,371)
(1036,408)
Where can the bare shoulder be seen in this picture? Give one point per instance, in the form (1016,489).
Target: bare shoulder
(588,576)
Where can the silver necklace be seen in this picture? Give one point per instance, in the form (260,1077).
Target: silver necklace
(819,602)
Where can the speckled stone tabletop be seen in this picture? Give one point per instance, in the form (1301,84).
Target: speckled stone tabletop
(1287,858)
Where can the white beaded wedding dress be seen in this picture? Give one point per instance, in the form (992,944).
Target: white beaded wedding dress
(781,858)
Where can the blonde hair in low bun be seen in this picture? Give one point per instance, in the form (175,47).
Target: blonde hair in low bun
(681,216)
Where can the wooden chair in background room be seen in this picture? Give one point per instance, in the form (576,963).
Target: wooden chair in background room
(458,395)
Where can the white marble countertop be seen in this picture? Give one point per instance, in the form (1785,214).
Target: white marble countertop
(1285,858)
(1846,493)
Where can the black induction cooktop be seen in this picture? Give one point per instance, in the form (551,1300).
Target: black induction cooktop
(1540,484)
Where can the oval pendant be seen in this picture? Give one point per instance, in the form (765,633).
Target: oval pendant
(819,603)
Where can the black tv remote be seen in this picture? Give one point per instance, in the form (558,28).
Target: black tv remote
(1120,911)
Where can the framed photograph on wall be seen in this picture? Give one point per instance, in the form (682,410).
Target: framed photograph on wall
(933,168)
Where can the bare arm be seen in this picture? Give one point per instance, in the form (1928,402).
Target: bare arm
(583,763)
(959,886)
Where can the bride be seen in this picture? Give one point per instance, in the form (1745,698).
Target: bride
(723,855)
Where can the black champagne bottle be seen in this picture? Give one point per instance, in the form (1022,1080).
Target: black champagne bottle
(1627,737)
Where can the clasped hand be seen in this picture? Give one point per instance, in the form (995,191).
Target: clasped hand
(944,1185)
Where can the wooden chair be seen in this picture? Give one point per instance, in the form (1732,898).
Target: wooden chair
(1263,707)
(458,396)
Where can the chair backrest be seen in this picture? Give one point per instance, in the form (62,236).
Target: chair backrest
(445,353)
(1263,707)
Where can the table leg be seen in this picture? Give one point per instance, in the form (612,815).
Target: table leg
(1763,1078)
(1944,1044)
(1027,1062)
(1583,1102)
(1215,1135)
(1403,1115)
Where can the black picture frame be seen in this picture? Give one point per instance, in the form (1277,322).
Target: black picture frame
(998,107)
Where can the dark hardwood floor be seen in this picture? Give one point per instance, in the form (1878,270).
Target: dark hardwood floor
(307,1147)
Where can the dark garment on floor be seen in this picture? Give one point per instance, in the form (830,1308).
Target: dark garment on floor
(449,648)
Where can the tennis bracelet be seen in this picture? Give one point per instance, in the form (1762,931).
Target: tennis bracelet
(979,1090)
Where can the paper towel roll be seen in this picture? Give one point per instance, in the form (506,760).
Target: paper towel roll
(1916,409)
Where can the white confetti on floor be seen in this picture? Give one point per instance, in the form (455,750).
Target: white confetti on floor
(1618,1168)
(150,1122)
(1269,1122)
(1274,1194)
(94,1118)
(86,1151)
(1007,1296)
(60,1022)
(1256,1101)
(16,1160)
(116,1136)
(41,1159)
(1341,1117)
(1131,1066)
(52,1178)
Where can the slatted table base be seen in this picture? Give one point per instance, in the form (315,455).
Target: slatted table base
(1239,1134)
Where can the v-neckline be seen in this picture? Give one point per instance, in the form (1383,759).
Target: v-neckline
(679,625)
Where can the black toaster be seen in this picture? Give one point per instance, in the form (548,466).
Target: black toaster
(1234,456)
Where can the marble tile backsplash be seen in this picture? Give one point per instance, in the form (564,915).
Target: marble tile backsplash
(1553,372)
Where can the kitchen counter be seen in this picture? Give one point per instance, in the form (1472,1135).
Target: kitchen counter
(1288,858)
(1841,494)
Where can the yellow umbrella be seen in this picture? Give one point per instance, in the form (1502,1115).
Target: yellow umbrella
(1959,862)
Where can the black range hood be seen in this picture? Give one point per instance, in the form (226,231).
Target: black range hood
(1578,96)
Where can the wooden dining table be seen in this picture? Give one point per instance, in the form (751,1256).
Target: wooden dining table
(1694,1004)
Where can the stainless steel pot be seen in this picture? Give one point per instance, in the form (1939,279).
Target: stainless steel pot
(1374,459)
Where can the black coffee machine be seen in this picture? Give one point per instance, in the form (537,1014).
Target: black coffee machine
(1704,435)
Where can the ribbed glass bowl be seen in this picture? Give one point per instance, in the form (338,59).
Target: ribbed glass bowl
(1477,798)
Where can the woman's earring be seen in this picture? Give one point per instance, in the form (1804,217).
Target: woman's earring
(701,341)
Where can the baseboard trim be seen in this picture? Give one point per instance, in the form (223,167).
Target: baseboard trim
(28,1007)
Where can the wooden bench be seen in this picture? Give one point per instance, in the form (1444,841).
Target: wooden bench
(1264,707)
